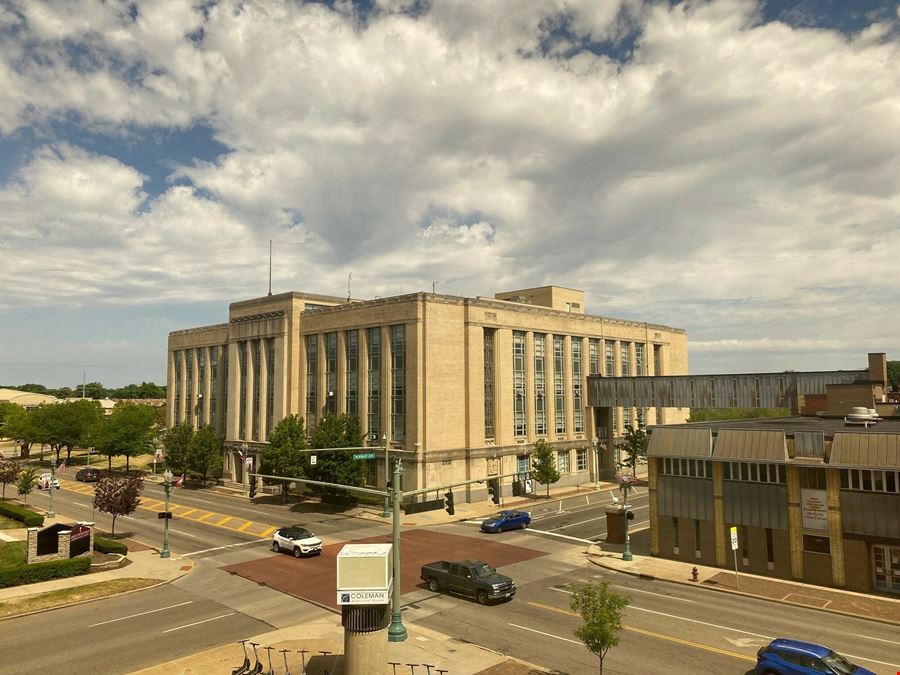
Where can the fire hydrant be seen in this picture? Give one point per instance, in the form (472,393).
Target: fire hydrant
(695,574)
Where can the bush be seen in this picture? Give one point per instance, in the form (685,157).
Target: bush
(26,516)
(54,569)
(109,546)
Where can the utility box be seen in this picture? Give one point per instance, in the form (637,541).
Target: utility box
(615,525)
(365,574)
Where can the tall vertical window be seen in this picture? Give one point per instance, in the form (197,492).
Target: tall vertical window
(610,359)
(625,354)
(373,365)
(540,385)
(562,461)
(489,382)
(312,379)
(626,418)
(213,383)
(577,387)
(675,534)
(657,360)
(641,417)
(398,383)
(559,384)
(242,369)
(639,358)
(331,373)
(270,385)
(519,423)
(176,359)
(352,346)
(697,549)
(770,549)
(201,380)
(255,351)
(189,385)
(225,367)
(593,357)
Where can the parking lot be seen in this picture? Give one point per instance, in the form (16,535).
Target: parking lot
(314,579)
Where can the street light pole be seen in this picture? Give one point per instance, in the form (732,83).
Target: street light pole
(167,486)
(396,631)
(626,555)
(50,513)
(387,473)
(244,448)
(597,464)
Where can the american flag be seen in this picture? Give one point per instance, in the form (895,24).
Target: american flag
(180,481)
(62,467)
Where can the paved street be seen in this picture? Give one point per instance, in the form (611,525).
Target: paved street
(584,516)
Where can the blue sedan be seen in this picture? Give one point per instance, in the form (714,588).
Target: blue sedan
(506,520)
(784,656)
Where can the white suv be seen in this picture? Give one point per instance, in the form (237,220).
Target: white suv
(44,481)
(297,540)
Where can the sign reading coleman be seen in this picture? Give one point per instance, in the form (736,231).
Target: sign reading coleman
(814,507)
(375,597)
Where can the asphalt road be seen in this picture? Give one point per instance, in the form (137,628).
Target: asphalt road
(583,517)
(668,628)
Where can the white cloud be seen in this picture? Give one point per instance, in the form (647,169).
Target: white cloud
(738,179)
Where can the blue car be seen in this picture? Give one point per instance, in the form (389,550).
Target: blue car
(792,656)
(506,520)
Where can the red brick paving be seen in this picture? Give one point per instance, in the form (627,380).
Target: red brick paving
(314,579)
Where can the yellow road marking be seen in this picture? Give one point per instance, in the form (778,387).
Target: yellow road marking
(223,521)
(245,526)
(660,636)
(209,514)
(152,503)
(266,533)
(186,513)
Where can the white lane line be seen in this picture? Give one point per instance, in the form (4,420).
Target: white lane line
(702,623)
(197,623)
(562,536)
(627,588)
(540,632)
(150,611)
(219,548)
(186,534)
(85,506)
(869,637)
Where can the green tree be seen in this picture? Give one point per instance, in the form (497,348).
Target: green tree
(893,369)
(205,453)
(25,483)
(7,410)
(284,455)
(177,442)
(118,496)
(337,431)
(543,464)
(127,431)
(21,428)
(634,446)
(601,611)
(9,473)
(67,425)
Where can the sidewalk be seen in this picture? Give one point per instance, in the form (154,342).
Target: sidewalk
(875,607)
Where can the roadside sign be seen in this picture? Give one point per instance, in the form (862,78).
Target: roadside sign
(734,541)
(312,460)
(364,455)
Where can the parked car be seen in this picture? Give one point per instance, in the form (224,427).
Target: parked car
(471,578)
(88,475)
(506,520)
(297,540)
(44,481)
(793,656)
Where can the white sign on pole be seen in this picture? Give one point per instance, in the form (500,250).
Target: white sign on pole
(734,541)
(249,463)
(312,460)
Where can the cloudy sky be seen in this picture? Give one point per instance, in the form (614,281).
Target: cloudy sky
(730,167)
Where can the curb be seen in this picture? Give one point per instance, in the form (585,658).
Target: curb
(651,577)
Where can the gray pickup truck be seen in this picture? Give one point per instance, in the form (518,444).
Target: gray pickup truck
(471,578)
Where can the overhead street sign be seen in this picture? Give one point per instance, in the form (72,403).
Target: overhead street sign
(364,455)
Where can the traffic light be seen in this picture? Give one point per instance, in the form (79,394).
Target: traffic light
(252,487)
(448,496)
(494,492)
(629,515)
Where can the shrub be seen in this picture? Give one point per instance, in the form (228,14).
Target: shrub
(53,569)
(20,513)
(109,546)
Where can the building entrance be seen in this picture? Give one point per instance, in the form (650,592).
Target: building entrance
(886,561)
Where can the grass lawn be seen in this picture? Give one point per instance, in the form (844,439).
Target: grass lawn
(12,554)
(65,596)
(9,524)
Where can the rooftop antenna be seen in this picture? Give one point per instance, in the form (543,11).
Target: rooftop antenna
(270,267)
(433,284)
(349,277)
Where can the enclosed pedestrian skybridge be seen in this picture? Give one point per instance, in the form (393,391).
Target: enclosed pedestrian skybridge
(761,390)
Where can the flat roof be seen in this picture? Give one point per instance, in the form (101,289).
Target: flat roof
(828,425)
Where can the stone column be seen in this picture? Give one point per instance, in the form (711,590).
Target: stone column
(251,382)
(31,552)
(170,389)
(183,405)
(195,388)
(568,382)
(795,521)
(263,388)
(206,389)
(718,479)
(279,406)
(62,544)
(833,486)
(233,411)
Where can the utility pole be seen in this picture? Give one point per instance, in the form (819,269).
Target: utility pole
(167,486)
(396,631)
(387,474)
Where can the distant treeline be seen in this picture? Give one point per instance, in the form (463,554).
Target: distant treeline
(95,390)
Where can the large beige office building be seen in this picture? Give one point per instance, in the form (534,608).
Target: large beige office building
(459,388)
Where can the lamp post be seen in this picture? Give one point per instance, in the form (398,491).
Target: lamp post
(167,486)
(626,486)
(50,513)
(387,473)
(244,448)
(396,631)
